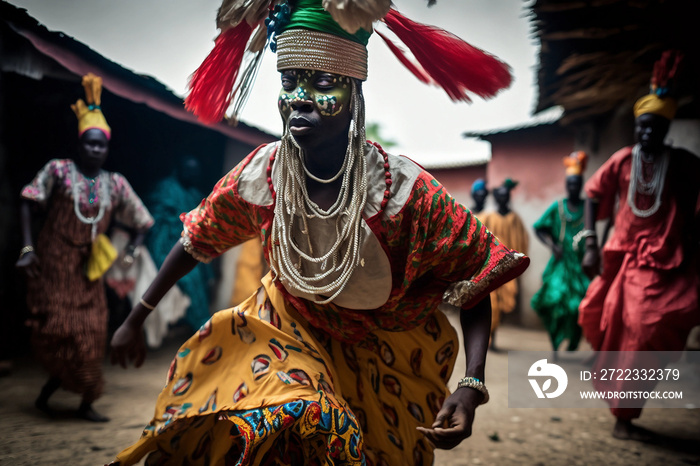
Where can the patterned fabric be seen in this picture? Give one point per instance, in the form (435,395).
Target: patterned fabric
(378,373)
(646,298)
(54,180)
(166,202)
(257,385)
(563,282)
(431,242)
(69,312)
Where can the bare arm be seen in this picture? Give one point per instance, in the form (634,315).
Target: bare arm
(454,421)
(546,238)
(28,262)
(127,342)
(591,258)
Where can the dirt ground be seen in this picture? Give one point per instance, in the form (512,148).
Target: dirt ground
(502,435)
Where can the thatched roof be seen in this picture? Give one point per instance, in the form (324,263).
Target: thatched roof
(597,55)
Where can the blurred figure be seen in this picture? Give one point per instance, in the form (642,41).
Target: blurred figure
(363,246)
(508,227)
(171,197)
(646,297)
(68,309)
(130,277)
(563,281)
(479,195)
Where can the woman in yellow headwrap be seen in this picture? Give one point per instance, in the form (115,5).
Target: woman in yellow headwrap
(65,290)
(645,299)
(341,356)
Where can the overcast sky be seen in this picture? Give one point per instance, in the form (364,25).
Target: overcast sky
(168,39)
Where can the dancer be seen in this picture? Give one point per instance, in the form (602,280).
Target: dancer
(563,282)
(341,357)
(646,298)
(68,309)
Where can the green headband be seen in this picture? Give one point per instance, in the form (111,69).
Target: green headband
(310,14)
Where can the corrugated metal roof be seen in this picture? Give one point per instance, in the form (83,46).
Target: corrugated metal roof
(547,117)
(461,162)
(79,59)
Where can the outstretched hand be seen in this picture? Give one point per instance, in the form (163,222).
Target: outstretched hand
(128,345)
(453,422)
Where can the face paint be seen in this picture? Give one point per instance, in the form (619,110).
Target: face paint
(329,93)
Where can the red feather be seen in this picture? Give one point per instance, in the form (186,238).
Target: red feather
(412,67)
(450,62)
(211,86)
(666,68)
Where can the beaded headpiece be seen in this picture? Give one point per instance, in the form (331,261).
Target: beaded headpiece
(660,100)
(90,115)
(331,35)
(575,163)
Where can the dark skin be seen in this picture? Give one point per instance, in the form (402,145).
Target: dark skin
(502,197)
(650,130)
(321,131)
(479,196)
(574,202)
(574,183)
(93,150)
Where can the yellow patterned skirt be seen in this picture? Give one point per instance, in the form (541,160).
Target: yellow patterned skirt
(257,385)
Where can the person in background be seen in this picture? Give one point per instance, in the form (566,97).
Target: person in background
(341,356)
(171,197)
(509,228)
(479,195)
(645,299)
(68,309)
(129,278)
(563,282)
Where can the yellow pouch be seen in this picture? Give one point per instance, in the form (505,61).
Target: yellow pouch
(101,258)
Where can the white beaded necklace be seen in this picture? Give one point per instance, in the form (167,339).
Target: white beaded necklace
(654,187)
(104,199)
(293,204)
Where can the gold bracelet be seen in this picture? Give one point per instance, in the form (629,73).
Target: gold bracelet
(476,384)
(25,250)
(146,305)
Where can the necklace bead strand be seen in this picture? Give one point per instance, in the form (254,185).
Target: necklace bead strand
(638,185)
(103,199)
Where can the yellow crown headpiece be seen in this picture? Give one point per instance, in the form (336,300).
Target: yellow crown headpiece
(575,163)
(90,114)
(659,101)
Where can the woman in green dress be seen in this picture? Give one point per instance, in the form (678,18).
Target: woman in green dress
(563,282)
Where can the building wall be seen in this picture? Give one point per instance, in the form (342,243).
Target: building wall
(458,181)
(533,157)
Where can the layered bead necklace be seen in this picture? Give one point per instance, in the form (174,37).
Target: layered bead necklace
(293,205)
(653,187)
(103,198)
